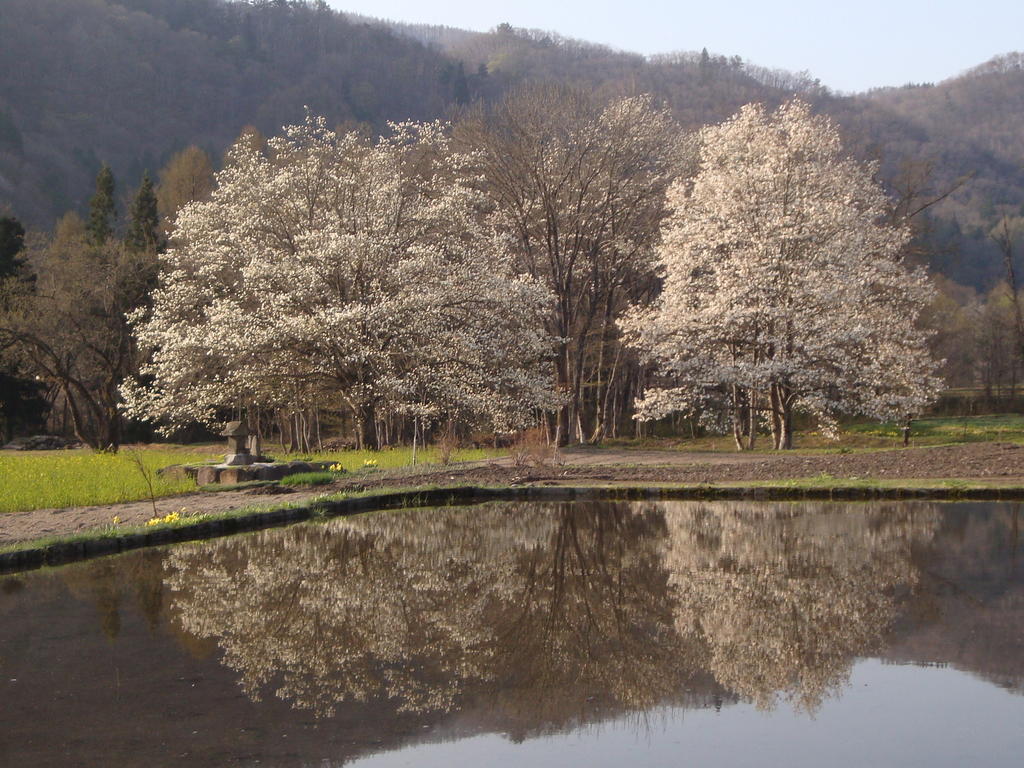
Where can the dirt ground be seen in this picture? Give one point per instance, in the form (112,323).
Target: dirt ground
(1001,463)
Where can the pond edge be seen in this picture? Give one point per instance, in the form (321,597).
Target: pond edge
(99,545)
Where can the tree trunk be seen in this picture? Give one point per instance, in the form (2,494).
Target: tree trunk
(751,420)
(737,419)
(112,433)
(76,418)
(787,423)
(414,441)
(776,407)
(367,438)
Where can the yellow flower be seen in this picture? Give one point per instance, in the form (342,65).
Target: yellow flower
(170,517)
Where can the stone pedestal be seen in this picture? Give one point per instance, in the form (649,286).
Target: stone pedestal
(238,451)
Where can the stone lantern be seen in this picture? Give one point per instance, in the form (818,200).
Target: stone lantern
(238,452)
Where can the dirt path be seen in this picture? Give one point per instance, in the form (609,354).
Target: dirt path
(1001,463)
(39,523)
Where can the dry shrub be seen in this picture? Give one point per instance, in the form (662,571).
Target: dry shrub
(447,444)
(531,449)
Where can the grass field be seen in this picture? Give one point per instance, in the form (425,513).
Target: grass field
(40,479)
(389,458)
(941,430)
(44,479)
(860,436)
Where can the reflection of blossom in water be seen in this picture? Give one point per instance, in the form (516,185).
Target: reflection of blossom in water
(785,596)
(533,606)
(334,612)
(551,611)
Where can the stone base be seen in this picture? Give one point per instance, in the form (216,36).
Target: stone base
(207,475)
(226,474)
(235,475)
(238,460)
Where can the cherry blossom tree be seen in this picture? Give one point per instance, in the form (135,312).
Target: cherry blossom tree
(784,285)
(359,276)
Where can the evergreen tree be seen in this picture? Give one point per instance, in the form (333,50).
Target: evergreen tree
(704,66)
(102,209)
(21,404)
(12,240)
(144,223)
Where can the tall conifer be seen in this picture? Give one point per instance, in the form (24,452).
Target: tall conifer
(144,222)
(102,210)
(12,241)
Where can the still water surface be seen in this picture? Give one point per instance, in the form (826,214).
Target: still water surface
(649,634)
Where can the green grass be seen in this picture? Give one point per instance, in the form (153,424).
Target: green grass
(390,458)
(117,530)
(935,431)
(825,481)
(416,497)
(856,437)
(42,479)
(309,479)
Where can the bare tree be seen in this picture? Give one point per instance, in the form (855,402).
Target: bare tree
(580,186)
(1003,238)
(69,328)
(188,176)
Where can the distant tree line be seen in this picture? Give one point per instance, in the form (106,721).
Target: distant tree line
(133,81)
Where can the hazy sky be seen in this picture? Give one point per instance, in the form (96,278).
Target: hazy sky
(850,45)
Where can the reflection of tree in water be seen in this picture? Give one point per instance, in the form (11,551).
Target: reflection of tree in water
(785,596)
(588,617)
(106,583)
(519,602)
(333,614)
(968,610)
(538,609)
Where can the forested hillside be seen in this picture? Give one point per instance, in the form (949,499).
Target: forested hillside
(131,82)
(965,128)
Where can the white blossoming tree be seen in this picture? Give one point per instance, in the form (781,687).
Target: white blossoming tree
(358,276)
(784,285)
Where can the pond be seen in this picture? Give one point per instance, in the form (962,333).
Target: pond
(548,634)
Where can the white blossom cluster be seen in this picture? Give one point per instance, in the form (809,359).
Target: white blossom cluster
(784,284)
(363,276)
